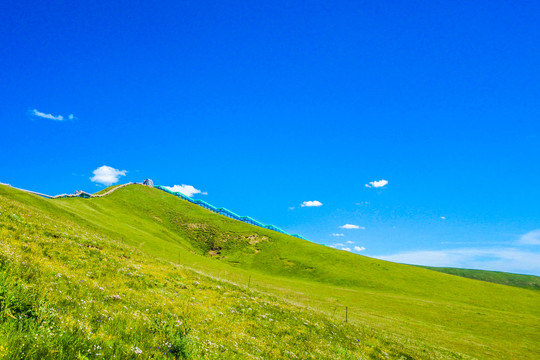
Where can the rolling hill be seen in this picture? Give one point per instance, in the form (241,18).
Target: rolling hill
(392,310)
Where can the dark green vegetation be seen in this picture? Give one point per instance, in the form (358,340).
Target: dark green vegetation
(497,277)
(170,274)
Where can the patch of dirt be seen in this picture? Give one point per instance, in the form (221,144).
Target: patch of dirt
(197,226)
(255,239)
(215,251)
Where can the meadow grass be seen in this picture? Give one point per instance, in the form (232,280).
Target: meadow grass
(398,310)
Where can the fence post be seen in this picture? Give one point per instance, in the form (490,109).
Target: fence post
(346,313)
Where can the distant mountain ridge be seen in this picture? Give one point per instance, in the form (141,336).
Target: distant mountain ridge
(498,277)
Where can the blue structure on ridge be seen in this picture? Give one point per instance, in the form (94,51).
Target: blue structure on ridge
(226,212)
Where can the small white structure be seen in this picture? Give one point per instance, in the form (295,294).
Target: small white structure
(148,182)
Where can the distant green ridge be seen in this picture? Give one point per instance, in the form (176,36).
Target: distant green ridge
(518,280)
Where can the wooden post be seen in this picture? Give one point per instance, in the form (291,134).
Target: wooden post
(346,313)
(249,281)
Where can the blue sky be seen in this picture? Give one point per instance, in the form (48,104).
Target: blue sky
(266,106)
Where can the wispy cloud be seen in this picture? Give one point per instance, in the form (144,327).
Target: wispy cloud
(43,115)
(351,226)
(107,175)
(377,183)
(345,249)
(443,217)
(530,238)
(311,203)
(495,259)
(350,242)
(359,248)
(338,234)
(187,190)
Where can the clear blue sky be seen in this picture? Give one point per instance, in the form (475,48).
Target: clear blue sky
(265,106)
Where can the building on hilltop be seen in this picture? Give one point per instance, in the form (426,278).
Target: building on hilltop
(83,194)
(148,182)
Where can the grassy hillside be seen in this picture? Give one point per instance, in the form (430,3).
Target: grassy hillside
(518,280)
(427,314)
(70,293)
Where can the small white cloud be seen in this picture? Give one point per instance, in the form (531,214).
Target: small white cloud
(47,116)
(291,208)
(71,116)
(350,242)
(346,249)
(338,235)
(530,238)
(377,184)
(362,203)
(107,175)
(351,226)
(311,203)
(187,190)
(443,217)
(359,248)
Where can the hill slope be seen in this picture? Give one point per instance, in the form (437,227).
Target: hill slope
(70,293)
(415,305)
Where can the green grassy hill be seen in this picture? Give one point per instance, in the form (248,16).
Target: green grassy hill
(518,280)
(400,310)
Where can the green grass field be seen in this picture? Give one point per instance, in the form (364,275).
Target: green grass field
(393,310)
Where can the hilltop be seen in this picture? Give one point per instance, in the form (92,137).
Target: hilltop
(146,249)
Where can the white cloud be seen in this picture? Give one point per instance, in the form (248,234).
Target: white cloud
(47,116)
(291,208)
(71,116)
(338,235)
(351,226)
(350,242)
(495,259)
(359,248)
(443,217)
(187,190)
(311,203)
(377,184)
(530,238)
(107,175)
(346,249)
